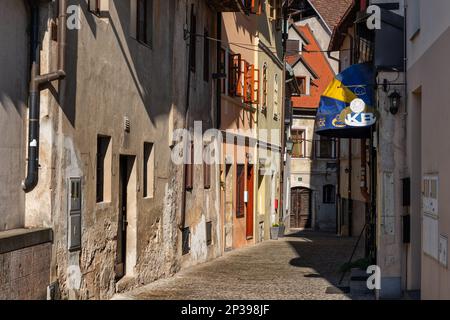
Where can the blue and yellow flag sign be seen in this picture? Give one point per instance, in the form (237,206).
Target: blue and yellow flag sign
(346,107)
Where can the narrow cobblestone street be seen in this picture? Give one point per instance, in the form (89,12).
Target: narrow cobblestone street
(304,265)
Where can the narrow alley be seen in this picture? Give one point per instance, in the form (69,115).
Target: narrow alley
(301,266)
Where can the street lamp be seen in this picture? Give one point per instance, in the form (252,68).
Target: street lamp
(289,145)
(394,99)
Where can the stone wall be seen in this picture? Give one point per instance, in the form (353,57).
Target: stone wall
(25,264)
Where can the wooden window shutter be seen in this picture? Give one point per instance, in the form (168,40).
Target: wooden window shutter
(256,86)
(248,82)
(189,174)
(255,6)
(279,9)
(235,75)
(251,84)
(240,189)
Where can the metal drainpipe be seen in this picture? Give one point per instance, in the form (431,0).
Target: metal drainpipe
(36,81)
(364,189)
(182,224)
(350,201)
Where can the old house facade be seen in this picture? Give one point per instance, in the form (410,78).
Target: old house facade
(313,166)
(108,209)
(427,45)
(251,106)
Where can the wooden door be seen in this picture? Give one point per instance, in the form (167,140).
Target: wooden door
(250,206)
(301,214)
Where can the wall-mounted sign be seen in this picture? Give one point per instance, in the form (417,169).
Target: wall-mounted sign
(346,107)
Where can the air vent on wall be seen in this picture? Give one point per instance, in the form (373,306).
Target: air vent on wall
(126,124)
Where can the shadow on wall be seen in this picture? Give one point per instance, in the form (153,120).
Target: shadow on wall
(142,61)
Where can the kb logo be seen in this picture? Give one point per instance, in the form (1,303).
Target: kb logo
(357,117)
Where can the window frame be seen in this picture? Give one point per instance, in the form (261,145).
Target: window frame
(145,39)
(329,194)
(303,142)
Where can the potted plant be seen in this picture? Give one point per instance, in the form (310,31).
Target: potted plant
(274,231)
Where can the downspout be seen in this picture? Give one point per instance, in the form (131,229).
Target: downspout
(364,188)
(36,83)
(350,202)
(182,224)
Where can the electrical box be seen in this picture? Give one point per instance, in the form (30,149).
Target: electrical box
(430,230)
(74,219)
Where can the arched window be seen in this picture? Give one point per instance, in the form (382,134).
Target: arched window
(329,194)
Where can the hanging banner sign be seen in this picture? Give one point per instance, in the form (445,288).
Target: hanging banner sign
(346,107)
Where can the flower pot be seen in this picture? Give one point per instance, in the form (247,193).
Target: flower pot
(274,231)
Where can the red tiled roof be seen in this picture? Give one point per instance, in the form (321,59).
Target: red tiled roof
(331,11)
(318,62)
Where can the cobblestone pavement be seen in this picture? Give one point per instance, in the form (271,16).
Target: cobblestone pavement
(301,266)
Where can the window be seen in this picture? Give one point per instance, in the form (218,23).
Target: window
(302,85)
(207,168)
(144,25)
(275,9)
(251,84)
(206,56)
(208,233)
(141,21)
(276,88)
(298,137)
(149,170)
(325,148)
(254,6)
(240,190)
(329,194)
(189,171)
(98,6)
(186,241)
(264,97)
(234,75)
(292,47)
(94,6)
(190,167)
(104,163)
(223,70)
(193,40)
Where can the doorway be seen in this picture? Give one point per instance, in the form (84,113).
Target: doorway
(127,222)
(250,205)
(301,213)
